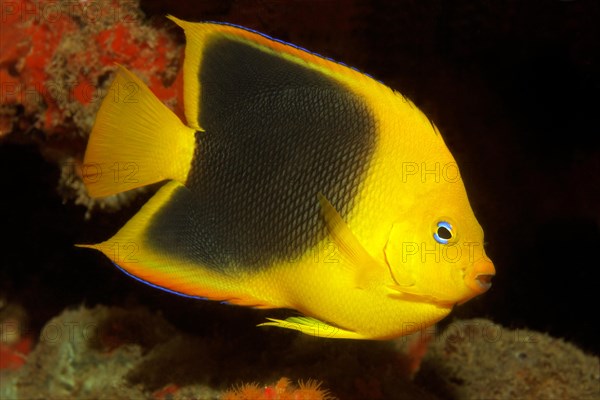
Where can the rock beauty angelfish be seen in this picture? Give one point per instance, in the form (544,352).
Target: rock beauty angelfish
(297,182)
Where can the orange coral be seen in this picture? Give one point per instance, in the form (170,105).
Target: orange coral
(247,391)
(311,390)
(283,389)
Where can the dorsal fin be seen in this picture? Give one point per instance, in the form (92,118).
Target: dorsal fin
(200,35)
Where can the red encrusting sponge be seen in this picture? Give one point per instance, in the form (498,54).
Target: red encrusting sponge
(56,60)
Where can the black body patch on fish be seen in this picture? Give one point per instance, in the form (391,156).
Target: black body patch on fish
(276,133)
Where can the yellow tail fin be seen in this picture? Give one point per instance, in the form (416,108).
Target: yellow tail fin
(136,140)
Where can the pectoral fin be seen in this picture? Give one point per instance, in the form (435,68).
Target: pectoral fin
(365,267)
(395,253)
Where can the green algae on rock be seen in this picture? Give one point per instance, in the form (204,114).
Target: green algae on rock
(477,359)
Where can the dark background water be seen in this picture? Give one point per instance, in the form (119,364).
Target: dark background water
(513,87)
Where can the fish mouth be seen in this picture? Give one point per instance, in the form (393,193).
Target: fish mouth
(479,279)
(484,281)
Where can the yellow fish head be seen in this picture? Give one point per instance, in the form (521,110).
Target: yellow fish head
(438,256)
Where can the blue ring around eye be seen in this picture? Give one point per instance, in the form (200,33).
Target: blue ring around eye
(448,227)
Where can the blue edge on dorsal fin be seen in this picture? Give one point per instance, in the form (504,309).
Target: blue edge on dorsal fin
(291,45)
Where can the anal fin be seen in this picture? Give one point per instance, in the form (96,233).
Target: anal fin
(151,251)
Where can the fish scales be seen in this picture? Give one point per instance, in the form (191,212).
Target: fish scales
(254,182)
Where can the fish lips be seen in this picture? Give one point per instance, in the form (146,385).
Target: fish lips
(479,277)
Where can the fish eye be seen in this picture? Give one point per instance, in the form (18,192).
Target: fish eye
(443,232)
